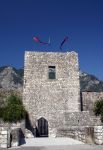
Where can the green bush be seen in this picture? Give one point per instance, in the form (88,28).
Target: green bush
(98,108)
(14,110)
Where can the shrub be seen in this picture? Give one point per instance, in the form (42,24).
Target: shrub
(14,110)
(98,108)
(13,113)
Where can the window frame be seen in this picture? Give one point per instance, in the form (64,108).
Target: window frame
(52,73)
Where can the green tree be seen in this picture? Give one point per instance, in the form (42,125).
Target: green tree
(98,108)
(14,110)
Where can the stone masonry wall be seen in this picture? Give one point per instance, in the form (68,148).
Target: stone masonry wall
(76,132)
(98,134)
(81,119)
(91,134)
(48,98)
(88,100)
(4,137)
(7,129)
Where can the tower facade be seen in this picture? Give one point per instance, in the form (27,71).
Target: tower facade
(51,89)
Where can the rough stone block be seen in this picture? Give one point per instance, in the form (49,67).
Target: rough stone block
(52,133)
(83,140)
(14,144)
(3,141)
(99,142)
(4,136)
(98,127)
(99,137)
(98,134)
(3,132)
(97,131)
(4,145)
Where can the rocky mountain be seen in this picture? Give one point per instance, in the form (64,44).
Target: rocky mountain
(12,79)
(90,83)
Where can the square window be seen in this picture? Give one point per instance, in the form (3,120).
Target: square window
(52,72)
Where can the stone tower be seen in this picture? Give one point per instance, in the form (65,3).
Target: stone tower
(51,89)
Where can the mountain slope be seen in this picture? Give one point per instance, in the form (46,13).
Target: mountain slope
(90,83)
(12,79)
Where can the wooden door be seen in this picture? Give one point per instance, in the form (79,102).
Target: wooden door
(42,127)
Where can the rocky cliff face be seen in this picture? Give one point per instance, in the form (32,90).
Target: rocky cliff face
(12,79)
(90,83)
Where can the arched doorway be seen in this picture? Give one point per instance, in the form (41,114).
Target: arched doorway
(42,128)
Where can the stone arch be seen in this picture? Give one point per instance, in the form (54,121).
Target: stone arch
(42,127)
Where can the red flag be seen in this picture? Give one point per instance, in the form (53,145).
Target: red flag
(36,39)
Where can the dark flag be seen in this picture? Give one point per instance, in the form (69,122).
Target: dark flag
(65,39)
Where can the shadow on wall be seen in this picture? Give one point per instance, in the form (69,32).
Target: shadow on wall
(81,101)
(41,129)
(29,125)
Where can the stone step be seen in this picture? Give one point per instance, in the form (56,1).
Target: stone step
(28,134)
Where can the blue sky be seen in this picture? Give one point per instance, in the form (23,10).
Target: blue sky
(80,20)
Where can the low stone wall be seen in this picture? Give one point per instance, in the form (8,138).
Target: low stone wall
(85,134)
(4,137)
(10,133)
(72,132)
(81,126)
(72,119)
(15,137)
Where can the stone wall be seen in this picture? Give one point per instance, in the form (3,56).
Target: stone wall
(90,135)
(81,119)
(10,133)
(48,98)
(88,100)
(81,126)
(77,132)
(4,142)
(15,137)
